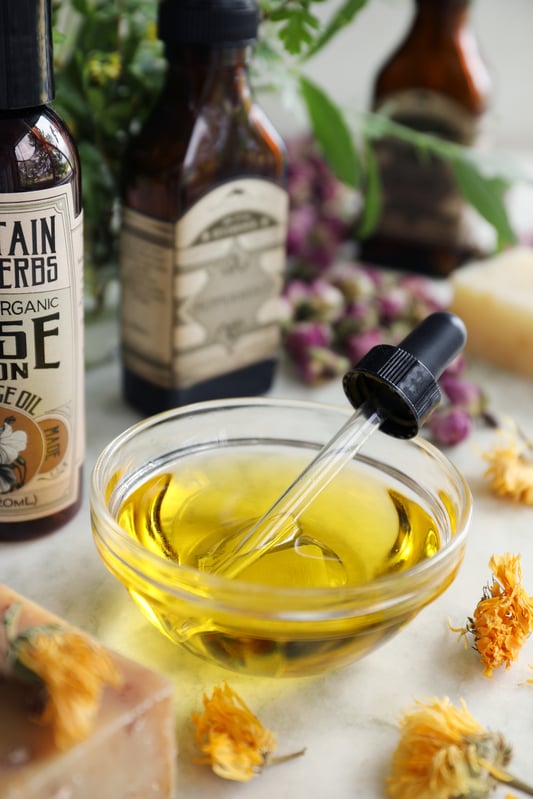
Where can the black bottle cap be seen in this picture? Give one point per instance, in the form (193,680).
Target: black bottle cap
(401,382)
(26,64)
(208,22)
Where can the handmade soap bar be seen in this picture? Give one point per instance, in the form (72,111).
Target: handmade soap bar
(130,751)
(495,300)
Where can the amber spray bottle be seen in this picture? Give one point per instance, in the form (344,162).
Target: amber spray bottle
(41,272)
(434,82)
(204,220)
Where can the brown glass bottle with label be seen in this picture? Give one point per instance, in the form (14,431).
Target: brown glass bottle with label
(204,220)
(41,296)
(435,82)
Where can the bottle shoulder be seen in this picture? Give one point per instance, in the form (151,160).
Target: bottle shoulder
(449,65)
(176,160)
(37,151)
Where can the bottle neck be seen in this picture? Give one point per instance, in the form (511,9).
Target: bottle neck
(206,57)
(448,15)
(26,66)
(203,68)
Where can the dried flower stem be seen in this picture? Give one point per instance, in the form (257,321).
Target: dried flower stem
(275,761)
(507,779)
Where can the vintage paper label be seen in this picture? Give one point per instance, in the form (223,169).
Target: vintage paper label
(200,298)
(420,198)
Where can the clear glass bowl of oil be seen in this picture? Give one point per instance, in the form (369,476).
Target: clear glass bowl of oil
(383,540)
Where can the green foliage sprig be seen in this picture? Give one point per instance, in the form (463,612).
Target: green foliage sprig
(346,136)
(109,69)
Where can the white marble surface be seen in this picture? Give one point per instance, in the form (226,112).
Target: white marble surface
(346,719)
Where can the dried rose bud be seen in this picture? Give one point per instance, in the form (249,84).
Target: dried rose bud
(321,364)
(450,426)
(457,366)
(302,336)
(326,301)
(393,304)
(302,222)
(464,393)
(354,283)
(358,345)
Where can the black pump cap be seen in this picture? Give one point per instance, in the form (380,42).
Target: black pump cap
(401,382)
(208,22)
(26,62)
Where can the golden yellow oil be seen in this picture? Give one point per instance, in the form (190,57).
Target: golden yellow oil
(359,528)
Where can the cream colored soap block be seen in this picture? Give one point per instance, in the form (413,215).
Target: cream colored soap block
(495,300)
(129,753)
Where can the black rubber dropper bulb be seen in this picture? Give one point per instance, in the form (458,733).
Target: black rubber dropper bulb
(400,382)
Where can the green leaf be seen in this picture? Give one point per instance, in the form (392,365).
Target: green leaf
(298,29)
(486,195)
(342,17)
(332,133)
(372,199)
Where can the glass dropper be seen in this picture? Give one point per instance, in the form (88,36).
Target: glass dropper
(393,389)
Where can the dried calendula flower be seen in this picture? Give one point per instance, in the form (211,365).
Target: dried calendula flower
(510,470)
(444,753)
(68,669)
(503,618)
(235,743)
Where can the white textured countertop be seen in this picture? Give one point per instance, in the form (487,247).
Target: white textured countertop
(346,718)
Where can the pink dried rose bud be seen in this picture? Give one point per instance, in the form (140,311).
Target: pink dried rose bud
(321,364)
(354,283)
(393,304)
(457,366)
(359,344)
(302,336)
(450,426)
(326,301)
(302,222)
(463,392)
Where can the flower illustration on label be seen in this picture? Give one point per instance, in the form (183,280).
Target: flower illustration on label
(12,464)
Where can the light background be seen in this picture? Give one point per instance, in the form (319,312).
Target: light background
(504,29)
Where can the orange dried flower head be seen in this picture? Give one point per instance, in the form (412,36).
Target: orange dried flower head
(70,668)
(503,618)
(235,743)
(510,470)
(444,752)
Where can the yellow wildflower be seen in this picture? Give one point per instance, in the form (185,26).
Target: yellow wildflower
(235,743)
(444,752)
(105,67)
(510,470)
(503,618)
(69,668)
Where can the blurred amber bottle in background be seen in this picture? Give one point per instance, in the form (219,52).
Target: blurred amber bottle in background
(435,82)
(204,220)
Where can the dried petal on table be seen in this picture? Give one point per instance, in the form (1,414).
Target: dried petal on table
(510,470)
(233,740)
(235,743)
(503,618)
(444,752)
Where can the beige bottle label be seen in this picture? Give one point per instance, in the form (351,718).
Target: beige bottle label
(41,353)
(421,201)
(200,298)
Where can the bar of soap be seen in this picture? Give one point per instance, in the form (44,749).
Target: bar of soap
(494,298)
(130,753)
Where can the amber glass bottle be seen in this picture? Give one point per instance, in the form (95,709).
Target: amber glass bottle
(204,220)
(435,82)
(41,298)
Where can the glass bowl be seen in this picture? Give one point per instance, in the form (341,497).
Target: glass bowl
(383,540)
